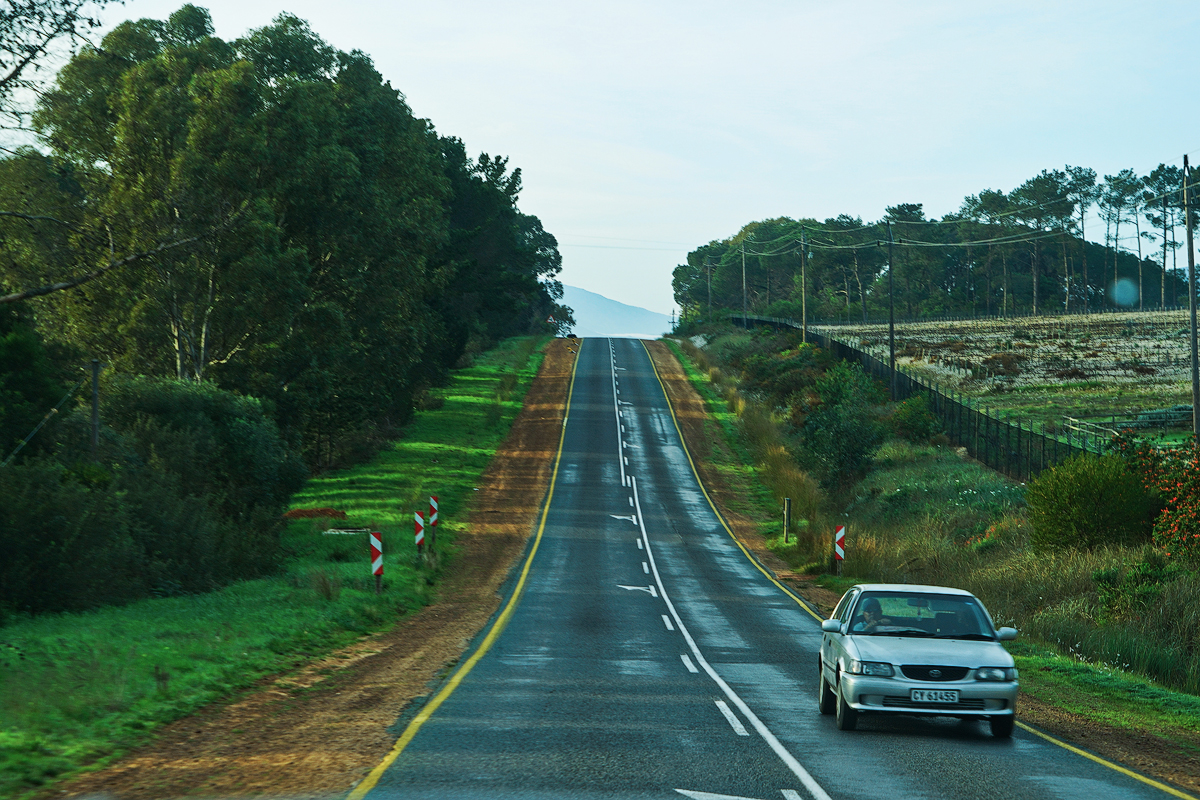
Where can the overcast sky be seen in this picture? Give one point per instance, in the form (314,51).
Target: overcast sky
(644,129)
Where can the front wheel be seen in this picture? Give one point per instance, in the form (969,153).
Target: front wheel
(847,717)
(825,699)
(1002,727)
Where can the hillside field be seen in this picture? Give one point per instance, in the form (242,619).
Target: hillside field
(1099,368)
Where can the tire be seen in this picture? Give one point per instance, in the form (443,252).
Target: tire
(1002,727)
(847,717)
(825,699)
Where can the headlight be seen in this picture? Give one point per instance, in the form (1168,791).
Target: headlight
(879,669)
(995,674)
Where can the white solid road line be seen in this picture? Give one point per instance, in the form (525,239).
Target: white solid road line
(734,722)
(687,662)
(772,741)
(667,622)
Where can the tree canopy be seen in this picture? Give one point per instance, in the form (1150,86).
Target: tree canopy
(1024,251)
(268,215)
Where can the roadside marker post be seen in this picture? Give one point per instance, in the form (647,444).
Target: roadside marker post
(419,533)
(839,547)
(433,521)
(787,517)
(377,560)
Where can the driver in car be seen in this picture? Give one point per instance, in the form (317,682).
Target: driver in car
(872,617)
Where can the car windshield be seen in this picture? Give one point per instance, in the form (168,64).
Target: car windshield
(927,615)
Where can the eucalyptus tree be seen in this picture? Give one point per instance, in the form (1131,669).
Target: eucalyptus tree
(992,209)
(1083,192)
(1043,203)
(1118,192)
(1159,201)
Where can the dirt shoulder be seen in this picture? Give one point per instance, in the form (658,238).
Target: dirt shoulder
(1159,757)
(318,731)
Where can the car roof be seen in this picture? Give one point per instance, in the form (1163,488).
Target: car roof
(911,587)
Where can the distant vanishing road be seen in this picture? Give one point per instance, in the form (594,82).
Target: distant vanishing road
(648,657)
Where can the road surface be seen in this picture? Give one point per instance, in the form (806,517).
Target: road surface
(647,656)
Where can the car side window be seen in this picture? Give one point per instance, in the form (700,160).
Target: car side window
(842,611)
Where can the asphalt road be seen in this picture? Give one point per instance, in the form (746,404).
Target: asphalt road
(649,657)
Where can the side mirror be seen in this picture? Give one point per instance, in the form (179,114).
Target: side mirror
(835,626)
(1007,634)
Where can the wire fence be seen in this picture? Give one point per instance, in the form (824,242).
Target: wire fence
(1018,448)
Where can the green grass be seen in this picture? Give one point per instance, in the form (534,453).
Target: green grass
(1108,695)
(77,690)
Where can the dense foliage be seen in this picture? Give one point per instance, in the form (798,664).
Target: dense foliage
(1025,251)
(1088,501)
(286,257)
(1174,475)
(834,410)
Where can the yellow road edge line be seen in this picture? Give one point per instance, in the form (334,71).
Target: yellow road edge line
(368,783)
(1171,790)
(1111,765)
(711,504)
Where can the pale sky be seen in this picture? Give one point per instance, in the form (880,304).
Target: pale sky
(644,129)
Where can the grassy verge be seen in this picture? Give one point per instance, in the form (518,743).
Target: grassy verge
(750,497)
(926,515)
(78,690)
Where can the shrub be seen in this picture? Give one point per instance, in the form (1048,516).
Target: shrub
(844,430)
(1088,501)
(912,420)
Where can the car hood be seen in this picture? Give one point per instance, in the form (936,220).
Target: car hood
(949,652)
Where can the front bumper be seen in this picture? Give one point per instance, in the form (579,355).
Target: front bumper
(892,695)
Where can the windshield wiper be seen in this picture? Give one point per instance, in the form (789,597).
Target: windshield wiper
(904,632)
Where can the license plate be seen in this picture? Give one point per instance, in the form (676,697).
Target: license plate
(934,696)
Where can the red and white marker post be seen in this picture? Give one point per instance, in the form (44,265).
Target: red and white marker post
(419,532)
(377,559)
(433,520)
(839,546)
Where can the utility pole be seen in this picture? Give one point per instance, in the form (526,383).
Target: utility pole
(745,313)
(1187,223)
(891,314)
(803,289)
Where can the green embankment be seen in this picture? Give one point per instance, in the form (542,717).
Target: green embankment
(925,515)
(77,690)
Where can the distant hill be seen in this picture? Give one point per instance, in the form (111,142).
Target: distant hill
(596,315)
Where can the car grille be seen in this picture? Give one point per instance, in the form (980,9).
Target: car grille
(962,705)
(925,672)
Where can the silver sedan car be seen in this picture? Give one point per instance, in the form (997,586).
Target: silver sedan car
(923,650)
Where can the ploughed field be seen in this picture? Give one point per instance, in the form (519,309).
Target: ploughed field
(1103,369)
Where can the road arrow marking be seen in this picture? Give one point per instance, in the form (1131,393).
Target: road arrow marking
(711,796)
(647,589)
(629,517)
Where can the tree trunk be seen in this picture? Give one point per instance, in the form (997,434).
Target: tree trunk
(1035,278)
(1004,265)
(1138,232)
